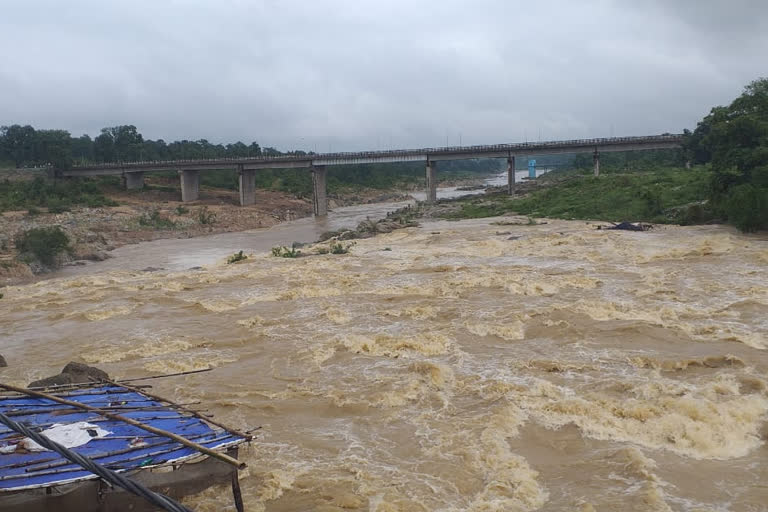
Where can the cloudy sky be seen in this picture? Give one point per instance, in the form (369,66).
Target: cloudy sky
(355,74)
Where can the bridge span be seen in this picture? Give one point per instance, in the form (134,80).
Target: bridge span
(189,170)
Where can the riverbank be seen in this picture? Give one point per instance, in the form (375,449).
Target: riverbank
(154,213)
(659,196)
(151,214)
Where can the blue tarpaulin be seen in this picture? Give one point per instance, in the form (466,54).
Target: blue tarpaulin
(125,448)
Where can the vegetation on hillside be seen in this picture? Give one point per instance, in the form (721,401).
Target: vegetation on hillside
(665,195)
(57,196)
(734,140)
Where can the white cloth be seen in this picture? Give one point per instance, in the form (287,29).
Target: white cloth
(70,435)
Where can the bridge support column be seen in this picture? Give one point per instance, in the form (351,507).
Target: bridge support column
(247,179)
(134,180)
(596,161)
(190,185)
(319,191)
(511,175)
(431,182)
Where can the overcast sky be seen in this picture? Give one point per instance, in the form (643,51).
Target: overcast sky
(357,74)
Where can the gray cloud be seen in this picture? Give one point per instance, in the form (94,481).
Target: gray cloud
(343,74)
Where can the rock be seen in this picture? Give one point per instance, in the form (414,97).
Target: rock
(73,373)
(3,362)
(628,226)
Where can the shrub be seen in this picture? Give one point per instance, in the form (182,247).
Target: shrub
(181,210)
(45,244)
(58,205)
(747,207)
(205,217)
(285,252)
(153,219)
(32,211)
(238,256)
(339,248)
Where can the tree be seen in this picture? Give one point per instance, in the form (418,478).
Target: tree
(82,149)
(53,147)
(18,144)
(735,140)
(119,144)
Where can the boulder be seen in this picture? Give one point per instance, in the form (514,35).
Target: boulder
(3,362)
(73,373)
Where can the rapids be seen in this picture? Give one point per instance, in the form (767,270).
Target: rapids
(454,366)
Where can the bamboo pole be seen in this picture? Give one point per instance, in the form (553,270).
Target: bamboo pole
(202,449)
(247,437)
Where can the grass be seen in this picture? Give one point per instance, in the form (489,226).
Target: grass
(664,195)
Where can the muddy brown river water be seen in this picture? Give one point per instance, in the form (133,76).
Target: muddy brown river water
(454,366)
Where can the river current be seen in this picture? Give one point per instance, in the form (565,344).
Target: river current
(478,365)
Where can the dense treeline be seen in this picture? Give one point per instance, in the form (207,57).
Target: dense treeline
(734,141)
(24,146)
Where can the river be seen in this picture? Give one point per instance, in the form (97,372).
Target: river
(478,365)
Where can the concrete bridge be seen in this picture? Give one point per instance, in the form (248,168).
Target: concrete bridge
(189,170)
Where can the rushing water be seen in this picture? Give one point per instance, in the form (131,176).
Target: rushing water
(454,366)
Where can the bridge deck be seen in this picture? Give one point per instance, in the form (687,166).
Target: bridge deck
(390,156)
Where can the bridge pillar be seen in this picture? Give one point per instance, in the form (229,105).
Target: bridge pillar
(190,185)
(319,191)
(596,161)
(247,179)
(134,180)
(431,182)
(511,175)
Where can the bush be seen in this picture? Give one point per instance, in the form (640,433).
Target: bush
(285,252)
(45,244)
(238,256)
(154,220)
(33,212)
(339,248)
(205,217)
(58,205)
(747,207)
(181,210)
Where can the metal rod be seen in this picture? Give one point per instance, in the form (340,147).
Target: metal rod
(202,449)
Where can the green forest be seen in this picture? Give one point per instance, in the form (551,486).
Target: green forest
(733,140)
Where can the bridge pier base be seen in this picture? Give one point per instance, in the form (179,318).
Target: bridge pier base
(190,185)
(247,179)
(319,191)
(511,175)
(596,161)
(431,182)
(134,180)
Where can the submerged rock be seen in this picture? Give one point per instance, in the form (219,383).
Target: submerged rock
(628,226)
(73,373)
